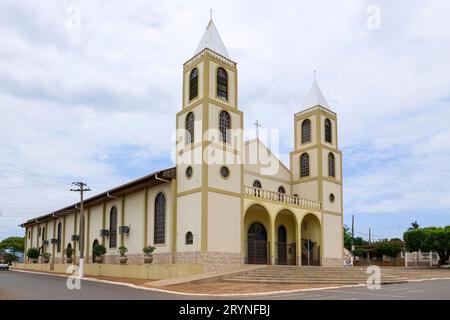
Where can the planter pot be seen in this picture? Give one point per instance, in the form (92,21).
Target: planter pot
(46,260)
(69,260)
(34,260)
(123,259)
(148,259)
(99,259)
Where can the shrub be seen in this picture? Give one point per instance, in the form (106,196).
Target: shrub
(33,253)
(46,255)
(99,250)
(148,249)
(69,252)
(123,250)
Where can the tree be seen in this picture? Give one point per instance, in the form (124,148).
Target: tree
(347,238)
(438,239)
(414,225)
(429,239)
(14,243)
(388,248)
(414,239)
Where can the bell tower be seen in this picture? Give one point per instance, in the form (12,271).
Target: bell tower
(208,155)
(316,168)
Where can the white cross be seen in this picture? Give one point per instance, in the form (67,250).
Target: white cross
(257,125)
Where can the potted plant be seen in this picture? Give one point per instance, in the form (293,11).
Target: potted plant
(69,252)
(46,256)
(33,254)
(99,250)
(148,254)
(123,258)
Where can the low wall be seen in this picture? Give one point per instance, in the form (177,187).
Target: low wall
(142,271)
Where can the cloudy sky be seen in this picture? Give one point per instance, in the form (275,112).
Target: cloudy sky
(89,91)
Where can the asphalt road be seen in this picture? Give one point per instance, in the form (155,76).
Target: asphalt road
(22,285)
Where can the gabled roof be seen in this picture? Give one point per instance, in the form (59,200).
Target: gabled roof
(211,40)
(144,182)
(315,97)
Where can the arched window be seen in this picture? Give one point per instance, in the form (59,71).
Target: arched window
(189,128)
(224,125)
(306,131)
(193,84)
(160,219)
(327,130)
(304,165)
(281,192)
(189,238)
(113,228)
(222,84)
(331,165)
(257,184)
(58,244)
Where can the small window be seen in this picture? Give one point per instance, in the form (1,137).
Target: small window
(224,172)
(193,84)
(224,125)
(328,135)
(331,165)
(189,172)
(296,195)
(331,197)
(304,165)
(222,84)
(189,128)
(306,131)
(257,184)
(43,233)
(189,238)
(281,192)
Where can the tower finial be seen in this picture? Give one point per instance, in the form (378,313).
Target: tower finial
(210,13)
(315,75)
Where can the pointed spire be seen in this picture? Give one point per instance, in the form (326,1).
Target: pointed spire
(211,40)
(315,96)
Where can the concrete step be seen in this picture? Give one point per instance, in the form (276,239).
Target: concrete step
(308,281)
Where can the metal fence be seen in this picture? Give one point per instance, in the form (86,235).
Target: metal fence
(285,253)
(257,252)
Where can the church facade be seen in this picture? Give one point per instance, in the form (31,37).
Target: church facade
(221,205)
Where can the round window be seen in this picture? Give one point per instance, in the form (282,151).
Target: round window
(224,172)
(331,197)
(189,172)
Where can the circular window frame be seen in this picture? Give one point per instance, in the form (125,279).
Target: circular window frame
(229,172)
(331,197)
(189,177)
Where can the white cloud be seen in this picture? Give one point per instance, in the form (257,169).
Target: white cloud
(72,100)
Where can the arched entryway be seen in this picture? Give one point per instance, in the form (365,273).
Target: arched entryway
(95,243)
(311,240)
(286,237)
(256,235)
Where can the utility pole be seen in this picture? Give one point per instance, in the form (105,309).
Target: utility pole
(370,239)
(82,187)
(353,231)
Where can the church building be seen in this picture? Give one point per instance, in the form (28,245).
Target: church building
(217,207)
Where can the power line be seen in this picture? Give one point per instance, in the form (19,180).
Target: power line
(30,175)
